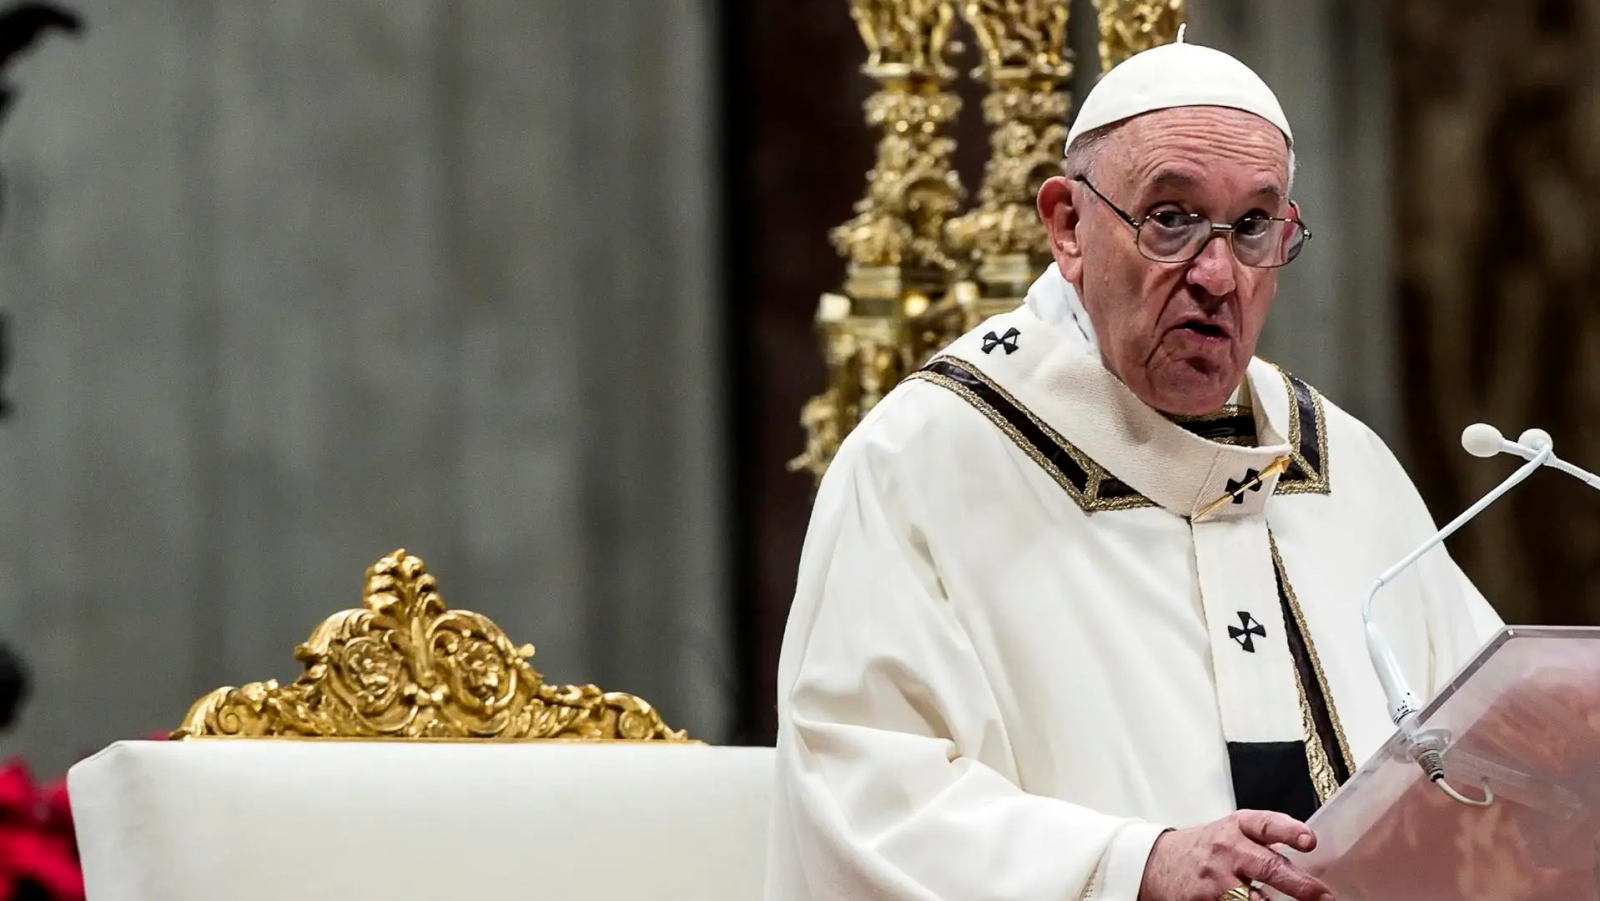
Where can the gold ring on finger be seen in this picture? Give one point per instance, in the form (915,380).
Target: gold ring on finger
(1237,893)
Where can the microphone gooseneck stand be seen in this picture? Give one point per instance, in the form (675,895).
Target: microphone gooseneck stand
(1481,440)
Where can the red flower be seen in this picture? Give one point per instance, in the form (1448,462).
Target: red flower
(38,854)
(55,808)
(17,792)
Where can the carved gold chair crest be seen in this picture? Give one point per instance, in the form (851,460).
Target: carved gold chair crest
(919,270)
(405,666)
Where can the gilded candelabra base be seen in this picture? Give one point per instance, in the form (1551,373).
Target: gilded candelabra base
(891,290)
(1006,277)
(867,340)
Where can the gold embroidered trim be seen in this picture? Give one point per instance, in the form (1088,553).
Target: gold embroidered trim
(1316,480)
(1092,887)
(1228,411)
(1321,768)
(1319,757)
(1088,498)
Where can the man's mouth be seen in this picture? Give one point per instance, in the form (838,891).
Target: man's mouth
(1204,329)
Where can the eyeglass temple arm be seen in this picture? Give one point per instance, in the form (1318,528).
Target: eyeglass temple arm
(1131,222)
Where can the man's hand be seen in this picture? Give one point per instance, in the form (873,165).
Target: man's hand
(1203,863)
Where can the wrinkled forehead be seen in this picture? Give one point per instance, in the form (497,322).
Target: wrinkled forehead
(1195,146)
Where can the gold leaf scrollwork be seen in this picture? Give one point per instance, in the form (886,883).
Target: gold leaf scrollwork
(905,38)
(913,188)
(405,666)
(1026,36)
(1134,26)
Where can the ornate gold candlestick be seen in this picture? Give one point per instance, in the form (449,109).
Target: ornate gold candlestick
(894,245)
(1025,63)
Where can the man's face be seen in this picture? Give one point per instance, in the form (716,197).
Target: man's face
(1179,335)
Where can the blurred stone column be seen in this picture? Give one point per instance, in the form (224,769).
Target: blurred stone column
(1498,180)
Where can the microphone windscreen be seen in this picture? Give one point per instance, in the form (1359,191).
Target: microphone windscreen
(1538,439)
(1482,440)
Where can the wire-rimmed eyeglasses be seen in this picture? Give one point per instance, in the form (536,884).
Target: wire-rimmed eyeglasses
(1173,236)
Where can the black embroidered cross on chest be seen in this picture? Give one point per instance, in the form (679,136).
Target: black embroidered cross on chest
(1237,489)
(1007,341)
(1246,636)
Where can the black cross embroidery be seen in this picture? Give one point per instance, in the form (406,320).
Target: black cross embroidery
(1237,488)
(1007,341)
(1246,637)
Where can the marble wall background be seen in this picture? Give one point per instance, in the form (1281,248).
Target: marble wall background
(298,283)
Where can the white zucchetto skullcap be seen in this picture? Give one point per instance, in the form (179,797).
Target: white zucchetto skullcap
(1173,75)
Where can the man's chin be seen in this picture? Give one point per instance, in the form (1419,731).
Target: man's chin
(1193,388)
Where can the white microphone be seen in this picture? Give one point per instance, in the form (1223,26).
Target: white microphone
(1480,440)
(1484,440)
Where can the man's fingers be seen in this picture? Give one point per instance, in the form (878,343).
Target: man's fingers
(1265,827)
(1274,870)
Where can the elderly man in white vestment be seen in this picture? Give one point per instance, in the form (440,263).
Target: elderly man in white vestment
(1078,614)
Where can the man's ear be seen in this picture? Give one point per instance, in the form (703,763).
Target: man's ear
(1060,215)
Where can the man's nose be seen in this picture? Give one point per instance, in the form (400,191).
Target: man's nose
(1213,270)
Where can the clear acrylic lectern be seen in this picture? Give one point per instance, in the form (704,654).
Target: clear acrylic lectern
(1519,727)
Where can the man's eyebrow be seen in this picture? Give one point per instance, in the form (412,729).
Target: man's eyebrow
(1180,179)
(1269,190)
(1173,178)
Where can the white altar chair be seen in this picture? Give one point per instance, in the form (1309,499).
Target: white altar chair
(420,756)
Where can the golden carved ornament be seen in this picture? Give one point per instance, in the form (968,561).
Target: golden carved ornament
(404,666)
(911,191)
(1024,36)
(1134,26)
(1026,64)
(866,355)
(905,38)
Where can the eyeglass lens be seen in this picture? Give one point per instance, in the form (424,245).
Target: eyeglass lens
(1173,237)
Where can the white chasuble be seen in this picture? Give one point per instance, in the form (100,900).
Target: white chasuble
(1037,623)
